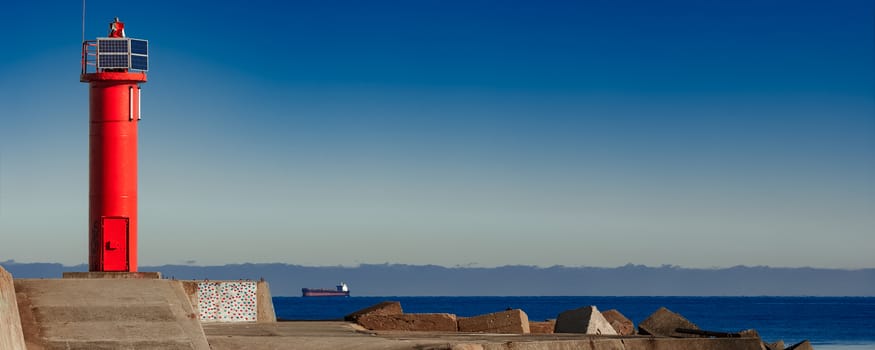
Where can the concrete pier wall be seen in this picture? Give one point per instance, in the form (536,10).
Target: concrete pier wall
(11,336)
(107,314)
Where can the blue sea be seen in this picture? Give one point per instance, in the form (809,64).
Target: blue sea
(828,322)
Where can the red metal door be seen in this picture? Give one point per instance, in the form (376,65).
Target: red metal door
(115,235)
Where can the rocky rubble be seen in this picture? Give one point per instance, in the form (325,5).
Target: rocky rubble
(663,323)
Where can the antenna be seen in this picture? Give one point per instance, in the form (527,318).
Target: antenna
(83,21)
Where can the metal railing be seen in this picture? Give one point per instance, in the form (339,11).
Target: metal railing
(89,55)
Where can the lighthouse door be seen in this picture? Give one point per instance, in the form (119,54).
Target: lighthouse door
(115,243)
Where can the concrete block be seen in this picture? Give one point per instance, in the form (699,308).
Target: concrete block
(803,345)
(11,334)
(591,343)
(648,343)
(778,345)
(210,310)
(619,322)
(384,308)
(190,288)
(228,301)
(511,321)
(586,320)
(545,327)
(663,323)
(410,322)
(264,303)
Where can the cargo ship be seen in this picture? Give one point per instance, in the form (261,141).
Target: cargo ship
(342,290)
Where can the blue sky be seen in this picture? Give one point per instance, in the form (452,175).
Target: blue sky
(697,133)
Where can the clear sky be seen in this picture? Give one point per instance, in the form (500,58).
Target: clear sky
(599,133)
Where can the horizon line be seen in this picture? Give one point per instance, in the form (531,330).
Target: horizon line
(467,266)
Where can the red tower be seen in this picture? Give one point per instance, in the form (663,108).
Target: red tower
(113,67)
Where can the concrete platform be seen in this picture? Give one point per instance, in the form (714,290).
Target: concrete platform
(343,335)
(107,314)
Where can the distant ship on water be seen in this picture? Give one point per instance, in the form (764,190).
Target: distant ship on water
(342,290)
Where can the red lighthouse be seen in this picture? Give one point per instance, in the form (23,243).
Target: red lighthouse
(114,67)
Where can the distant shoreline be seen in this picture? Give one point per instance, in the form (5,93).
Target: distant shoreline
(430,280)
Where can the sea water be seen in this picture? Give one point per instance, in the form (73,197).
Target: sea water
(832,323)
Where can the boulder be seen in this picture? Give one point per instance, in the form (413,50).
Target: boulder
(778,345)
(511,321)
(586,320)
(409,322)
(545,327)
(384,308)
(749,333)
(619,322)
(663,323)
(803,345)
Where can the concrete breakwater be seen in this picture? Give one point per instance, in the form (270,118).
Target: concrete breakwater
(146,312)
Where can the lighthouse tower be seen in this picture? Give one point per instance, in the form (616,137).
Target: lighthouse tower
(114,67)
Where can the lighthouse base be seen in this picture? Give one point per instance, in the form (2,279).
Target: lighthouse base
(112,275)
(107,314)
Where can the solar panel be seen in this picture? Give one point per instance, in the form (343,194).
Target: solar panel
(139,47)
(122,53)
(112,61)
(139,62)
(112,45)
